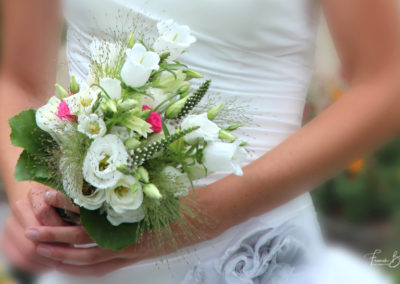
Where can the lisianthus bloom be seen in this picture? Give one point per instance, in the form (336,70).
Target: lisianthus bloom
(129,216)
(154,119)
(126,195)
(102,159)
(174,39)
(139,65)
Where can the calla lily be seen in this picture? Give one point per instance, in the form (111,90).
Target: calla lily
(139,65)
(220,156)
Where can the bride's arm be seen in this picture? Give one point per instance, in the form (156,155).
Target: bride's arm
(368,38)
(31,33)
(27,71)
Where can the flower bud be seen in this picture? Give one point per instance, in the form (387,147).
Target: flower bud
(127,105)
(74,86)
(174,109)
(152,191)
(61,92)
(145,114)
(124,169)
(233,127)
(243,144)
(132,143)
(225,135)
(190,74)
(182,89)
(109,107)
(131,40)
(164,56)
(213,112)
(144,175)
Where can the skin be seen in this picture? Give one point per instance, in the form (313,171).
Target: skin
(367,37)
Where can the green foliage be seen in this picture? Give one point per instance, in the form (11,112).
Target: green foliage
(106,235)
(145,153)
(26,134)
(35,162)
(367,196)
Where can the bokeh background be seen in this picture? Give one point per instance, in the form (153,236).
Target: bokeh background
(360,208)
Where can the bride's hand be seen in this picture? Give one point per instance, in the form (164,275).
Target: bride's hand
(29,211)
(56,244)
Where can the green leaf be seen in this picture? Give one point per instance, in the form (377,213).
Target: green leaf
(34,168)
(105,234)
(26,134)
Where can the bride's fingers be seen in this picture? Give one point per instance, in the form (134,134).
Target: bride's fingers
(99,269)
(74,235)
(59,200)
(44,213)
(76,256)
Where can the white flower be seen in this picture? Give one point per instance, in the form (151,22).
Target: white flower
(220,156)
(91,125)
(173,38)
(46,116)
(112,87)
(82,102)
(208,130)
(126,195)
(139,65)
(90,197)
(102,159)
(180,179)
(121,132)
(130,216)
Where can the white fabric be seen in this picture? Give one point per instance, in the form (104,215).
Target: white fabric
(258,53)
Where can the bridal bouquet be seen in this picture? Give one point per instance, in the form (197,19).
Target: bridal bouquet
(126,144)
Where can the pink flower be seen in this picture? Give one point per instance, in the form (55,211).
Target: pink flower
(154,119)
(65,113)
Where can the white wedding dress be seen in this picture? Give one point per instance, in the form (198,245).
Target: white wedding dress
(260,54)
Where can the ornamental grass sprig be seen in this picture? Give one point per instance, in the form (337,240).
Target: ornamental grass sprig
(144,153)
(194,100)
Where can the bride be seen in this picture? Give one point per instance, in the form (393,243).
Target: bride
(257,52)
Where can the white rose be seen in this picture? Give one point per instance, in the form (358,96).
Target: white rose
(90,197)
(91,125)
(224,157)
(208,130)
(174,39)
(82,102)
(139,65)
(102,159)
(130,216)
(46,116)
(181,180)
(126,195)
(112,87)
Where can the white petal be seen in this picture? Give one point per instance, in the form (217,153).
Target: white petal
(112,87)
